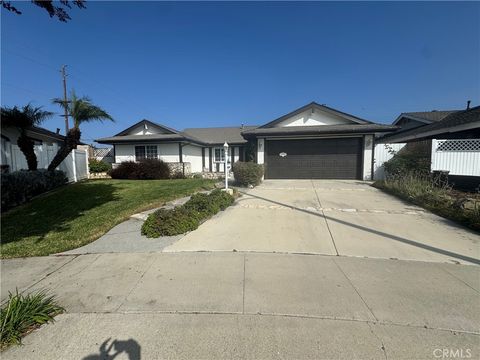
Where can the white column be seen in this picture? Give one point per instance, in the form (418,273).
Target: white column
(260,151)
(367,157)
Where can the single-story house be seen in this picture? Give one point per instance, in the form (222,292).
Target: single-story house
(314,141)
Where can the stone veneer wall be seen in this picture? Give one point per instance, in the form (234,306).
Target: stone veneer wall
(177,167)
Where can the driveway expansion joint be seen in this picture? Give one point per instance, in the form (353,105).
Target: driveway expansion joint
(355,288)
(284,315)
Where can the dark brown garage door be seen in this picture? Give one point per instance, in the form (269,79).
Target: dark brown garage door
(314,159)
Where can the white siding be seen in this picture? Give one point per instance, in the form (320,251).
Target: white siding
(207,159)
(309,118)
(458,157)
(169,152)
(193,155)
(236,154)
(124,152)
(367,157)
(383,153)
(166,152)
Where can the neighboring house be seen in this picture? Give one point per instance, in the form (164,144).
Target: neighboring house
(9,148)
(410,120)
(314,141)
(453,143)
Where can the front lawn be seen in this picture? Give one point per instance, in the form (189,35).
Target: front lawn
(77,214)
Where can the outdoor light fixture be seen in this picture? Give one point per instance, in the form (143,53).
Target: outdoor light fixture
(225,148)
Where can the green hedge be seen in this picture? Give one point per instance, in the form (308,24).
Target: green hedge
(148,169)
(19,187)
(187,217)
(247,173)
(98,166)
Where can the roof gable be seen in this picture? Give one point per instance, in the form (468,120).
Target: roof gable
(147,127)
(314,114)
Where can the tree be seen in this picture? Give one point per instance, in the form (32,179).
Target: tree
(82,111)
(23,119)
(60,12)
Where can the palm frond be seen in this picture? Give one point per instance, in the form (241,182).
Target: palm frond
(24,117)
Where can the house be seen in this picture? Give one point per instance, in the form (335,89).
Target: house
(452,142)
(201,148)
(11,157)
(314,141)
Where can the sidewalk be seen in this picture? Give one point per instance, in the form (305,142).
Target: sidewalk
(236,305)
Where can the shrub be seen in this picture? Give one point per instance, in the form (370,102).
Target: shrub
(247,173)
(23,313)
(20,186)
(202,205)
(187,217)
(171,222)
(98,166)
(147,169)
(407,162)
(423,191)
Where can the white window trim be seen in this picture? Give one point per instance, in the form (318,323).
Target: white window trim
(145,148)
(215,161)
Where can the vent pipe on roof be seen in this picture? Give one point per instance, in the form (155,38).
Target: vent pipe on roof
(468,104)
(58,131)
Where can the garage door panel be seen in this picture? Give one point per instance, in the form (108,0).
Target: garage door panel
(314,159)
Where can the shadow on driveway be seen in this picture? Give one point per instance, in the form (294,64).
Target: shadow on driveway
(373,231)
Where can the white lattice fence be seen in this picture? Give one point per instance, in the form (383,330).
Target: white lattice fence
(458,157)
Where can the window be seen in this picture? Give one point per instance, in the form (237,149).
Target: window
(146,152)
(219,155)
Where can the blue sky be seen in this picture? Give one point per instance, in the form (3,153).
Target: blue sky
(220,64)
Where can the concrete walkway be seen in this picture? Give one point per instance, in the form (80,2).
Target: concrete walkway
(332,217)
(244,305)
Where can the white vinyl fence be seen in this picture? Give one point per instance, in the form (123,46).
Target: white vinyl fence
(458,157)
(383,153)
(75,165)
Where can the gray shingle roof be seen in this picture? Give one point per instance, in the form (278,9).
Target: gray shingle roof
(218,135)
(140,138)
(320,129)
(454,122)
(430,116)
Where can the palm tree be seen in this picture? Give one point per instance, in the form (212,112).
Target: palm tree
(82,111)
(23,119)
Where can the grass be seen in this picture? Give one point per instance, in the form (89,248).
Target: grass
(77,214)
(440,200)
(23,313)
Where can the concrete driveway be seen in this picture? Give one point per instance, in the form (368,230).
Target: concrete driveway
(348,218)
